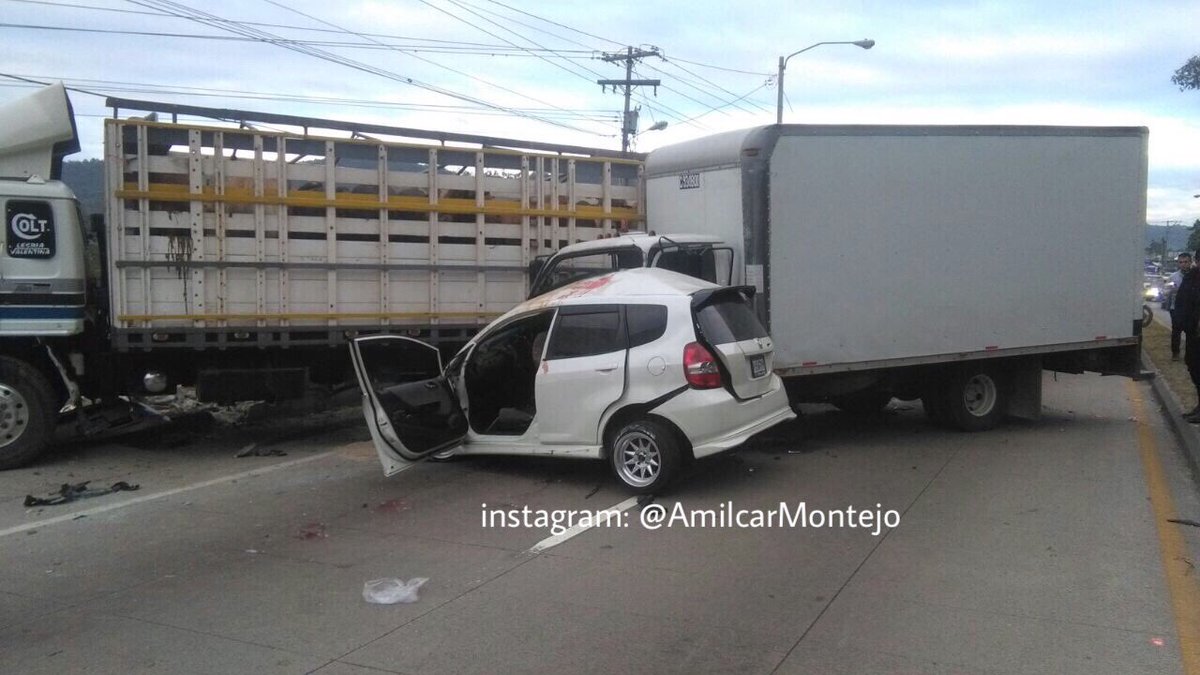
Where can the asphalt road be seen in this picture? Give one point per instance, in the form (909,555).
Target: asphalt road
(1041,547)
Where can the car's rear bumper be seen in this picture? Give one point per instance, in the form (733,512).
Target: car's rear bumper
(714,421)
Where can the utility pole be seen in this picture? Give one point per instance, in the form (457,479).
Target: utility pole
(629,118)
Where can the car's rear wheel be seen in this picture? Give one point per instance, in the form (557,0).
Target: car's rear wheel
(645,456)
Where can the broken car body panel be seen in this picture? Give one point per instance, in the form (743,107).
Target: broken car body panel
(405,396)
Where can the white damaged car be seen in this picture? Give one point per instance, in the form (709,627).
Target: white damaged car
(643,368)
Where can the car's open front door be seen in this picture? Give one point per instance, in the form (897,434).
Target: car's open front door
(411,410)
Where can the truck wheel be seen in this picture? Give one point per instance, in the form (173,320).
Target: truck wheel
(973,399)
(646,456)
(866,402)
(26,413)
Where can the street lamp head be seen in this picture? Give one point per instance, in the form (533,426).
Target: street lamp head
(865,43)
(658,126)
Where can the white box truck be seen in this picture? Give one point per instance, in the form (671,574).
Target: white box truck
(947,263)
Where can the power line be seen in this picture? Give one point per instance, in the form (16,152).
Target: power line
(693,86)
(560,53)
(629,124)
(555,23)
(710,82)
(430,61)
(449,44)
(243,32)
(742,97)
(205,18)
(597,115)
(32,81)
(459,18)
(487,50)
(728,70)
(679,115)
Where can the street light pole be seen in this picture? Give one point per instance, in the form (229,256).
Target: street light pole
(865,44)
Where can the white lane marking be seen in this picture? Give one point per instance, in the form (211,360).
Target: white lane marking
(609,513)
(159,495)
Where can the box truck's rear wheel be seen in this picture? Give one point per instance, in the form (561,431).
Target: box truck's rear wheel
(971,399)
(26,413)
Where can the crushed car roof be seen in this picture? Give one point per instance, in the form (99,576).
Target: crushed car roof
(614,286)
(640,240)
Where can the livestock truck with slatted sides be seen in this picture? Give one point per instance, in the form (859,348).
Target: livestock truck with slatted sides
(950,264)
(240,258)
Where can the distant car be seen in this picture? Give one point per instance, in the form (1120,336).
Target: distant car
(643,368)
(1168,293)
(1153,288)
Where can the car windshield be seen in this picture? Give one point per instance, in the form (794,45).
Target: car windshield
(585,265)
(702,261)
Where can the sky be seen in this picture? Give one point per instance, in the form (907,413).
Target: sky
(528,70)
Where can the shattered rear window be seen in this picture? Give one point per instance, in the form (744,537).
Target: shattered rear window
(729,317)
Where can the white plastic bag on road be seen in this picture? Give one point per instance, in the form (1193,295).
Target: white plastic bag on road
(391,590)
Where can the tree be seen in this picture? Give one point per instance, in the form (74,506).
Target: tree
(1194,238)
(1188,75)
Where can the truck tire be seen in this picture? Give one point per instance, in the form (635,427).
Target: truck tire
(972,399)
(27,413)
(866,402)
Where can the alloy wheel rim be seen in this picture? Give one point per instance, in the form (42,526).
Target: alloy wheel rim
(639,461)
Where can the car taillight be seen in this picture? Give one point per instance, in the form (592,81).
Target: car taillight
(700,368)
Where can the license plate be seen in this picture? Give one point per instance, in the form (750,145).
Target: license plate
(758,366)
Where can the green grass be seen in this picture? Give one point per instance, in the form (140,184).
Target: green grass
(1156,340)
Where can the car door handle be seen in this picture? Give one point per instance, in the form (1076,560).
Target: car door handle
(606,370)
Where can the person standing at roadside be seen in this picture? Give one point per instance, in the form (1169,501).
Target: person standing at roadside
(1185,265)
(1187,313)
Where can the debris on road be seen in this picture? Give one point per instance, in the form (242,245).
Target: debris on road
(1183,521)
(253,450)
(389,591)
(184,403)
(70,492)
(391,506)
(313,531)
